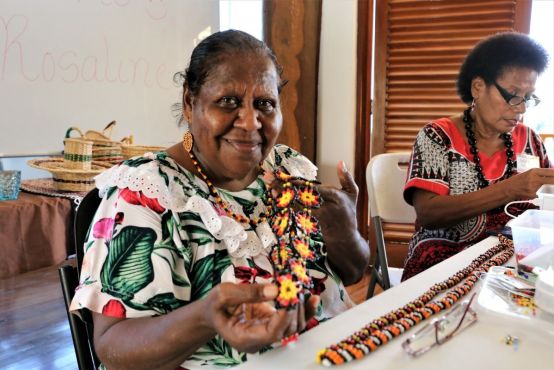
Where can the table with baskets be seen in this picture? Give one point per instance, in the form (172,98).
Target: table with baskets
(36,230)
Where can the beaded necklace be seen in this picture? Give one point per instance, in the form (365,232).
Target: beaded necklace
(237,217)
(290,217)
(293,224)
(482,181)
(383,329)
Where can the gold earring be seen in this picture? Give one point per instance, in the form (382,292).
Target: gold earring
(188,141)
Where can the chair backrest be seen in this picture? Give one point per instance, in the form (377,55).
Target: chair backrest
(81,331)
(83,218)
(385,184)
(81,328)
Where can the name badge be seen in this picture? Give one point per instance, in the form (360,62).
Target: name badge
(526,161)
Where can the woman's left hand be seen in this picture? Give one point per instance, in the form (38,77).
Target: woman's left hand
(348,251)
(241,314)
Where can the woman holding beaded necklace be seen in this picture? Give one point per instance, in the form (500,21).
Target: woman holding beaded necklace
(466,168)
(210,250)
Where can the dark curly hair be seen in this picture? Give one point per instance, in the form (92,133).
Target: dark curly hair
(208,54)
(491,57)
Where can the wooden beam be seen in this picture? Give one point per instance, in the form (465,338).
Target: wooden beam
(363,108)
(292,29)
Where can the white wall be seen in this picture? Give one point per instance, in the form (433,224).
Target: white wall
(336,109)
(85,63)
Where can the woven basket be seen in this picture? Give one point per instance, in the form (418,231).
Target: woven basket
(77,152)
(66,179)
(130,150)
(104,149)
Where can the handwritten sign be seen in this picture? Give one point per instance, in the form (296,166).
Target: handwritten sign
(85,63)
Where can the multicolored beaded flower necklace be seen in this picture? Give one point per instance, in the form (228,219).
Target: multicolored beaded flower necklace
(383,329)
(510,163)
(290,218)
(293,224)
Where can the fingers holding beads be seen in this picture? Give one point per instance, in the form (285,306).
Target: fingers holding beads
(524,186)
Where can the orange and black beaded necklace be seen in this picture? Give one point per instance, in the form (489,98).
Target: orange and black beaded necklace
(290,217)
(293,224)
(385,328)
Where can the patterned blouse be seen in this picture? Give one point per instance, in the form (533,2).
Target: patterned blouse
(441,163)
(160,241)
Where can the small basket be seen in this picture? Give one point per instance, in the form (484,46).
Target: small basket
(66,179)
(77,152)
(130,150)
(104,149)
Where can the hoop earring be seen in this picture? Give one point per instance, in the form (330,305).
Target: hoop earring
(188,141)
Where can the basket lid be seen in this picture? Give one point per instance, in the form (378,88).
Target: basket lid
(55,165)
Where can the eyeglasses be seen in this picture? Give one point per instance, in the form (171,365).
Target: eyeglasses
(441,329)
(513,100)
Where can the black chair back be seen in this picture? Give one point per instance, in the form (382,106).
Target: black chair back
(81,328)
(83,218)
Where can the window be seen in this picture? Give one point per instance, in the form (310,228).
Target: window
(541,117)
(244,15)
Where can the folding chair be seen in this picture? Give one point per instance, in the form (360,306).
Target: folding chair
(385,184)
(81,329)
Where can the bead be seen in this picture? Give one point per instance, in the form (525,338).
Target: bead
(239,218)
(290,339)
(289,264)
(376,333)
(468,125)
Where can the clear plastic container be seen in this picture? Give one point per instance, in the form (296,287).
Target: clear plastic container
(533,234)
(502,296)
(544,295)
(546,197)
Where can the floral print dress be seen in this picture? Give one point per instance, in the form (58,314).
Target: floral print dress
(441,163)
(160,241)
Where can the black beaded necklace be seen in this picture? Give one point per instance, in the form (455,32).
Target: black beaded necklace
(510,164)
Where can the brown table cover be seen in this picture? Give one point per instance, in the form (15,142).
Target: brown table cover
(35,232)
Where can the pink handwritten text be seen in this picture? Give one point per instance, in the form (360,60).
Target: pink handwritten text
(70,65)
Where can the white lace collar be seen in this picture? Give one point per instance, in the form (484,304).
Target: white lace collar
(178,190)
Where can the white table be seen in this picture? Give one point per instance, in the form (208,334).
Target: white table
(480,346)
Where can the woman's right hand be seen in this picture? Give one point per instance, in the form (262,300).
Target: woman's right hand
(524,185)
(241,314)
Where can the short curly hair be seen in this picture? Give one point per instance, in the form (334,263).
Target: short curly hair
(491,57)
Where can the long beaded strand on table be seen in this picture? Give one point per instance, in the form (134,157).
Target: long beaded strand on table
(391,325)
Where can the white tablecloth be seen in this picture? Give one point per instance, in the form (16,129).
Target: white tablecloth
(480,346)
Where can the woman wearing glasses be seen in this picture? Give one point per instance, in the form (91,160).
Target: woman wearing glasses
(464,169)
